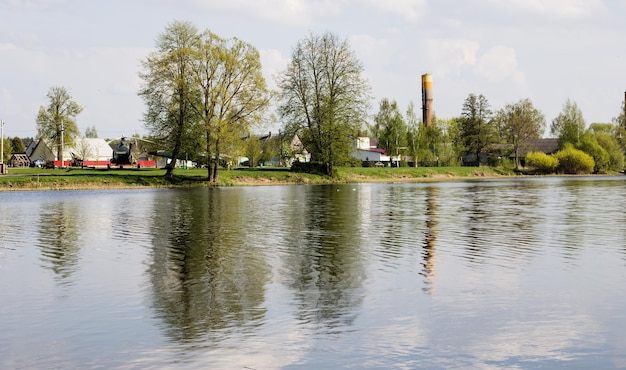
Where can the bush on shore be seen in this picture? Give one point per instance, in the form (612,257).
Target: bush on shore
(574,162)
(541,162)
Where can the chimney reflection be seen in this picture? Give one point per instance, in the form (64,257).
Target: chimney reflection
(430,241)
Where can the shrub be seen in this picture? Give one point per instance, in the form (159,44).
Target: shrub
(611,145)
(574,161)
(350,162)
(309,167)
(541,162)
(589,144)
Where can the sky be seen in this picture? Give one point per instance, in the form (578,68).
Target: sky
(546,50)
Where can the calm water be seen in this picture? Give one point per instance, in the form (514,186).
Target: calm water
(486,274)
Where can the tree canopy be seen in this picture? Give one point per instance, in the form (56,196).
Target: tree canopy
(91,132)
(232,93)
(17,145)
(168,88)
(521,122)
(569,125)
(475,129)
(324,97)
(201,91)
(391,127)
(57,121)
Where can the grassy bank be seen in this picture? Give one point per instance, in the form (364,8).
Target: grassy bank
(46,179)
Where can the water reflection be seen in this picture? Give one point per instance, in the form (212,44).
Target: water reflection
(511,273)
(205,277)
(430,241)
(325,269)
(58,239)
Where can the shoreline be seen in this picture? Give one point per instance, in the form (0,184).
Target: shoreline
(7,186)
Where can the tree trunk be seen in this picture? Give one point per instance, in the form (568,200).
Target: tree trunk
(215,162)
(208,155)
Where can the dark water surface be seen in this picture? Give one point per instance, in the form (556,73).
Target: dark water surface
(526,273)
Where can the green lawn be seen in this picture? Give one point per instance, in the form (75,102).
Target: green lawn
(37,178)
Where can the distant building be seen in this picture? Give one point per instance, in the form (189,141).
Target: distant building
(547,146)
(369,154)
(19,160)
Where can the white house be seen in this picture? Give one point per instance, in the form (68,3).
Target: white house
(89,149)
(369,153)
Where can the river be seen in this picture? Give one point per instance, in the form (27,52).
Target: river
(500,273)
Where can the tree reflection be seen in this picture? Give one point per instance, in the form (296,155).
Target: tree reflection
(58,239)
(325,265)
(495,210)
(204,277)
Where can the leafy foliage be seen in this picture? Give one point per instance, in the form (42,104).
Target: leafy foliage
(91,132)
(589,144)
(203,93)
(475,131)
(17,145)
(542,162)
(168,89)
(413,132)
(309,167)
(574,161)
(324,97)
(390,127)
(569,125)
(612,147)
(57,121)
(232,94)
(520,122)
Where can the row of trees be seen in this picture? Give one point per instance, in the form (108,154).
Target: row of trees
(14,145)
(479,127)
(204,93)
(198,86)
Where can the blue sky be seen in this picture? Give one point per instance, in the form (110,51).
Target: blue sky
(545,50)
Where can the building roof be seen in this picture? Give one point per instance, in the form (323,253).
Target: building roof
(94,149)
(548,146)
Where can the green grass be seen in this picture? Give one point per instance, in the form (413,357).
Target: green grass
(410,173)
(36,178)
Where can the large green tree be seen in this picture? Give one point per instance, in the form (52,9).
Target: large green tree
(17,145)
(476,132)
(232,93)
(569,125)
(392,129)
(57,121)
(521,122)
(324,97)
(413,132)
(620,124)
(168,89)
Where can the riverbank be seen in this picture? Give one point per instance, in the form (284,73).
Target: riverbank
(74,179)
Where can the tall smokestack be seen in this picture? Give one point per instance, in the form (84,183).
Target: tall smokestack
(427,99)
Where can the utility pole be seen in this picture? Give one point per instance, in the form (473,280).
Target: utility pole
(62,131)
(1,141)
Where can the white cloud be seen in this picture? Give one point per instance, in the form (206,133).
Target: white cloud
(572,9)
(409,10)
(449,56)
(376,51)
(287,12)
(536,340)
(34,4)
(499,63)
